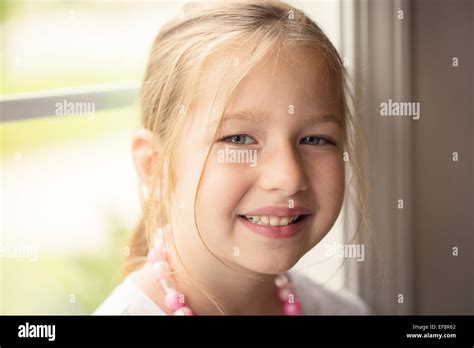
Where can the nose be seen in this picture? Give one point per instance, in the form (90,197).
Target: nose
(282,170)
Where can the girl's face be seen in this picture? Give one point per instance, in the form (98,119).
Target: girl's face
(278,155)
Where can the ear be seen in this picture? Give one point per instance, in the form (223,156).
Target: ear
(144,154)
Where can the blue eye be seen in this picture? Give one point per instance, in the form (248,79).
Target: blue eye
(315,140)
(238,139)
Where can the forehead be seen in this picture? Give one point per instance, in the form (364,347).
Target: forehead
(299,78)
(291,76)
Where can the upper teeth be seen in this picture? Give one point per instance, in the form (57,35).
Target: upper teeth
(272,220)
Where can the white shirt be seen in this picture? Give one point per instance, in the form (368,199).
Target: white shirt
(128,299)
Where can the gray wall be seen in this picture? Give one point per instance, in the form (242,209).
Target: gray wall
(444,190)
(410,60)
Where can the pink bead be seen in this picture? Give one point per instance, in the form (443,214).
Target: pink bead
(152,256)
(284,294)
(172,300)
(292,308)
(161,270)
(183,311)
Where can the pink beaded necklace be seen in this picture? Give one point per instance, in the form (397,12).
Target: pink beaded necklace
(175,301)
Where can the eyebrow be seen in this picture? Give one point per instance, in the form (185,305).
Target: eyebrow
(250,115)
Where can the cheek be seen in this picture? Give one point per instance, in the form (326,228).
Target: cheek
(328,183)
(222,188)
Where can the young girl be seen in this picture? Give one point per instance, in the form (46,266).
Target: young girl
(245,122)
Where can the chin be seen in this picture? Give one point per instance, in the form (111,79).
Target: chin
(272,265)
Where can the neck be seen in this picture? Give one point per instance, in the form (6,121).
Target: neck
(237,291)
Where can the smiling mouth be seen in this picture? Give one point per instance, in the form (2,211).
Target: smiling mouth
(276,221)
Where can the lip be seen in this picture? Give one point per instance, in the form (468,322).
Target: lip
(275,231)
(280,211)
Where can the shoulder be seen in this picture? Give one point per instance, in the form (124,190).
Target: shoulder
(320,300)
(127,299)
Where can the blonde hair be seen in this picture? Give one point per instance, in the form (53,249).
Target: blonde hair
(179,52)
